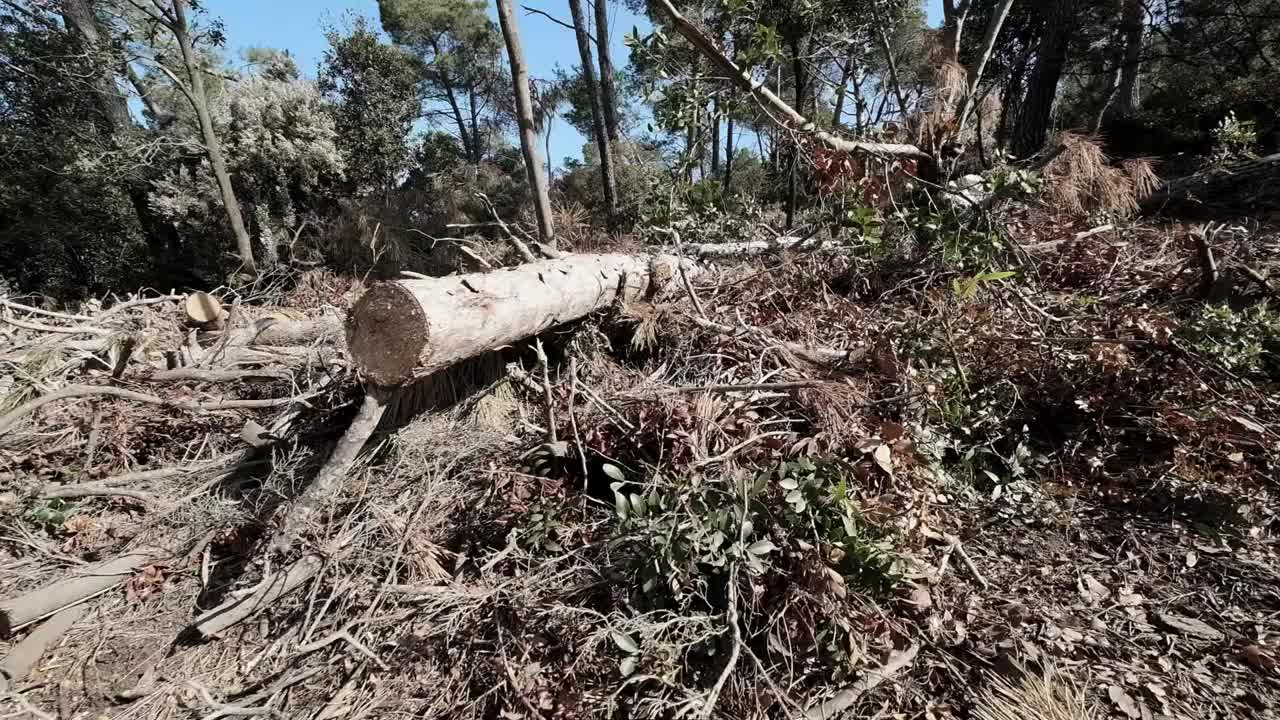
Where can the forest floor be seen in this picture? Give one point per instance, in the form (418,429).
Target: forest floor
(1050,494)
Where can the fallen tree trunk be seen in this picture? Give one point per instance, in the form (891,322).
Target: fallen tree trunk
(273,587)
(1242,184)
(404,330)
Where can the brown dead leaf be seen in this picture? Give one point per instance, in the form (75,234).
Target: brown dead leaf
(148,581)
(1257,658)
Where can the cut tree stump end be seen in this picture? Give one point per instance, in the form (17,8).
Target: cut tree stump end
(386,330)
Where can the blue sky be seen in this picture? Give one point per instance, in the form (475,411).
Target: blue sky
(298,26)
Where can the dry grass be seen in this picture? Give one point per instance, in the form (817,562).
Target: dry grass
(1049,695)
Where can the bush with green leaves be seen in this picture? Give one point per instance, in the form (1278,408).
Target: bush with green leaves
(675,545)
(1240,340)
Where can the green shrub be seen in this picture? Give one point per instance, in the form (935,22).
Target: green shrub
(1238,340)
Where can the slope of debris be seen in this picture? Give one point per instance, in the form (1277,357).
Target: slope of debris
(1023,475)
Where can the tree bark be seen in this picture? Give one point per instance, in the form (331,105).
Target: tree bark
(1129,92)
(608,89)
(597,110)
(403,330)
(213,148)
(1036,112)
(791,117)
(524,118)
(988,45)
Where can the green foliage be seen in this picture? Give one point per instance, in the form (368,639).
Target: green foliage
(1234,139)
(374,88)
(674,545)
(50,515)
(967,288)
(68,227)
(1239,340)
(818,508)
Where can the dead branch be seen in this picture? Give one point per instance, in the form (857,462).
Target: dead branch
(23,657)
(81,391)
(844,699)
(330,477)
(191,374)
(273,587)
(790,117)
(82,584)
(813,353)
(96,490)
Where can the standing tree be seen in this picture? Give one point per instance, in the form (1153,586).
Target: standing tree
(597,111)
(608,86)
(461,57)
(525,120)
(172,16)
(1036,110)
(374,88)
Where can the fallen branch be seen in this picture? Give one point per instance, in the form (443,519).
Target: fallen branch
(273,587)
(813,353)
(192,374)
(17,665)
(844,699)
(83,584)
(790,116)
(330,477)
(96,490)
(81,391)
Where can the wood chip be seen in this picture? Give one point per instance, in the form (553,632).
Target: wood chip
(1188,626)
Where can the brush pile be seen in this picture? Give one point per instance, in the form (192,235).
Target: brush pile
(1016,466)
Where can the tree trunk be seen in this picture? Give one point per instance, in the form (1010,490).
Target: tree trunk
(728,155)
(715,138)
(524,118)
(1129,92)
(837,116)
(608,89)
(1036,113)
(477,142)
(213,147)
(953,19)
(975,74)
(597,110)
(403,330)
(468,141)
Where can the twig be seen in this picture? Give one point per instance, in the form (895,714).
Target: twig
(94,490)
(344,635)
(968,561)
(844,699)
(200,375)
(709,706)
(573,421)
(1208,265)
(81,391)
(38,327)
(41,311)
(728,454)
(139,302)
(546,389)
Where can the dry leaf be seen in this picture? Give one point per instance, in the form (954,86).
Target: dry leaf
(1259,659)
(883,458)
(1124,701)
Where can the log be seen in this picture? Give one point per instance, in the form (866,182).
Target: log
(1242,183)
(403,330)
(83,584)
(202,309)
